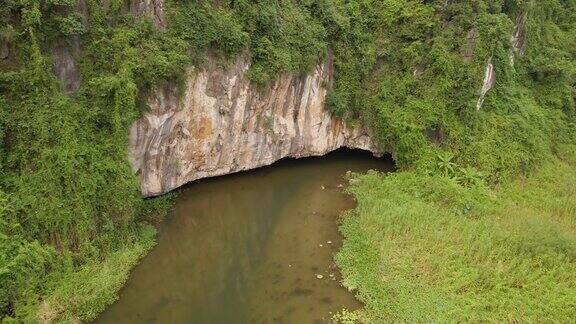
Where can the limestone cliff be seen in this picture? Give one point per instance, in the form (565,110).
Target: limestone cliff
(225,124)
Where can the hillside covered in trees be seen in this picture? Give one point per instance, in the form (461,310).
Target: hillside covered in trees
(474,99)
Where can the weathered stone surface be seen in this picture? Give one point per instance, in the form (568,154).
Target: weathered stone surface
(64,63)
(419,70)
(471,37)
(4,49)
(518,38)
(488,84)
(150,8)
(65,51)
(224,124)
(435,135)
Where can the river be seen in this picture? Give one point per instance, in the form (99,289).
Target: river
(251,247)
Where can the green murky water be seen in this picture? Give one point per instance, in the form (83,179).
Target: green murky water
(253,247)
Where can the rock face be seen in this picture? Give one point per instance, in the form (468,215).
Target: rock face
(471,38)
(518,38)
(488,83)
(225,124)
(64,64)
(4,49)
(151,8)
(66,51)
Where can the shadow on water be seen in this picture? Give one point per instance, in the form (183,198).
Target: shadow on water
(251,247)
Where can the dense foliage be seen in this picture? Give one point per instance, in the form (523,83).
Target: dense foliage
(69,204)
(68,197)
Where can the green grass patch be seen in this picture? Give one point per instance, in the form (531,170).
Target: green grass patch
(81,294)
(424,248)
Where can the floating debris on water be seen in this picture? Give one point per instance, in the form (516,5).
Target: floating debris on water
(319,276)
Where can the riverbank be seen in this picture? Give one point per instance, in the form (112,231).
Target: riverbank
(428,249)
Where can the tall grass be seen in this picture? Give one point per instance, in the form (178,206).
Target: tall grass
(426,249)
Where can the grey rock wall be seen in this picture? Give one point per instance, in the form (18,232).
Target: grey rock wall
(64,64)
(148,8)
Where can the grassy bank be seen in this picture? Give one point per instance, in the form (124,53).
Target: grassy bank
(428,249)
